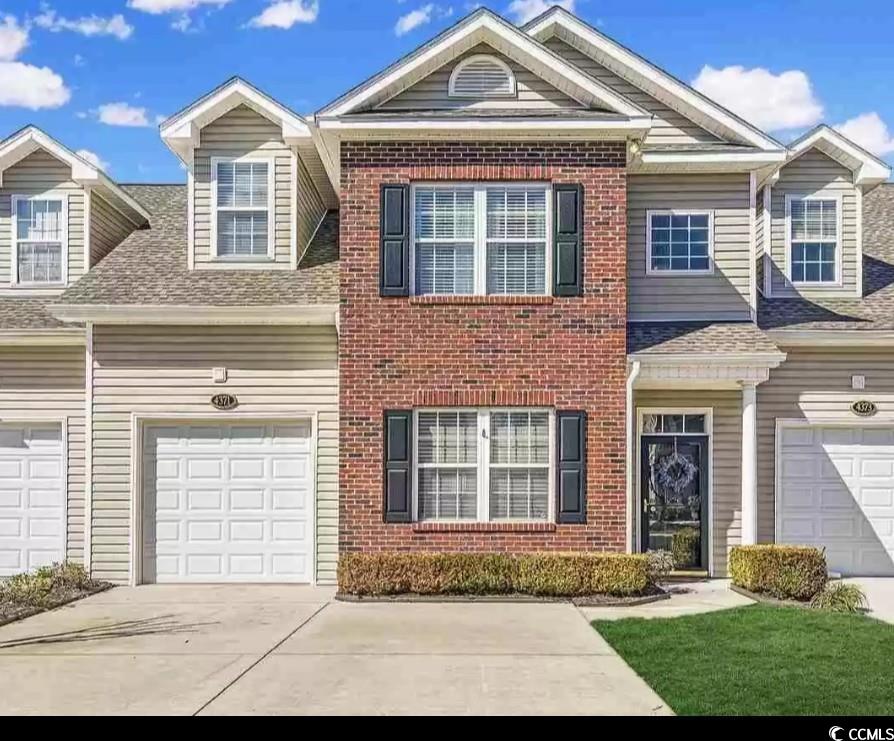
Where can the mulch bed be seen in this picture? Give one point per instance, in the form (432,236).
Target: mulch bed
(596,600)
(10,612)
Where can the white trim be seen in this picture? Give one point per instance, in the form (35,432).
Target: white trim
(289,314)
(752,263)
(630,468)
(839,241)
(88,227)
(140,422)
(42,337)
(768,240)
(708,413)
(832,337)
(51,195)
(717,358)
(626,127)
(650,271)
(293,211)
(88,452)
(751,159)
(749,494)
(190,218)
(513,83)
(270,161)
(867,168)
(858,292)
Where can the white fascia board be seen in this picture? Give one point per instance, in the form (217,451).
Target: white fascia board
(832,337)
(543,28)
(757,159)
(629,127)
(868,169)
(42,337)
(487,22)
(764,359)
(301,315)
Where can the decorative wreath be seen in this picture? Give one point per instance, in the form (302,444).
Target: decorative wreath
(675,472)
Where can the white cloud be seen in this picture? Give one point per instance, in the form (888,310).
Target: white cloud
(92,25)
(27,86)
(870,132)
(414,19)
(286,13)
(122,114)
(772,102)
(523,11)
(13,38)
(157,7)
(93,158)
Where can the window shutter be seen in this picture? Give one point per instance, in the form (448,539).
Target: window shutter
(398,466)
(571,460)
(568,247)
(394,257)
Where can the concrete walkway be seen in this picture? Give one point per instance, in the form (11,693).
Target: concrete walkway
(291,650)
(879,595)
(688,598)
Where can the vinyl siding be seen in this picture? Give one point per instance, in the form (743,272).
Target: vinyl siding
(723,295)
(167,370)
(38,173)
(668,127)
(815,384)
(431,93)
(108,228)
(726,466)
(814,173)
(759,240)
(310,207)
(49,382)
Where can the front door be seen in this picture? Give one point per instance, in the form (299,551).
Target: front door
(674,488)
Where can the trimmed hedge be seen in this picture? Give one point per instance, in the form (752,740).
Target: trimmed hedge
(781,571)
(542,575)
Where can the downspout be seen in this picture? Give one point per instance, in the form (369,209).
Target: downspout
(631,454)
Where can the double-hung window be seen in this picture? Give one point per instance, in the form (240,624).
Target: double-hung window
(814,239)
(679,242)
(472,239)
(243,219)
(484,465)
(40,240)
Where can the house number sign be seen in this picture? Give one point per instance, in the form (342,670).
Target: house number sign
(224,402)
(864,408)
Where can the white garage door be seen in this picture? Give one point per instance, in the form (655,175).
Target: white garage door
(837,491)
(228,503)
(32,498)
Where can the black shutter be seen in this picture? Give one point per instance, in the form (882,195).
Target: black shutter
(398,466)
(394,249)
(568,248)
(571,473)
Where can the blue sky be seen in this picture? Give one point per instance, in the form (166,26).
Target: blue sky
(82,69)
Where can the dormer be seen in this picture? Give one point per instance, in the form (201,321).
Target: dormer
(59,215)
(257,187)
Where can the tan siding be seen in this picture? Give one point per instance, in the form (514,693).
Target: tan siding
(726,466)
(668,127)
(159,370)
(432,92)
(310,207)
(38,173)
(815,385)
(108,228)
(759,239)
(814,173)
(723,295)
(49,382)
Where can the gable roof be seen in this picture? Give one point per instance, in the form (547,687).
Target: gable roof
(657,82)
(868,169)
(485,26)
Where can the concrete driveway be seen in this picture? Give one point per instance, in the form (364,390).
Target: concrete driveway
(292,650)
(880,596)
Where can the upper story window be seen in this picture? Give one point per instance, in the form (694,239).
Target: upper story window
(680,242)
(243,208)
(481,239)
(814,241)
(482,76)
(40,240)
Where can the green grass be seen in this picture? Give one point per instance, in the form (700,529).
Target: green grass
(762,660)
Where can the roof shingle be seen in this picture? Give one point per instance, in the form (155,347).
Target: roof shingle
(707,338)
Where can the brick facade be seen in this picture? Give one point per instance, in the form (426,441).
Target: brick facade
(399,353)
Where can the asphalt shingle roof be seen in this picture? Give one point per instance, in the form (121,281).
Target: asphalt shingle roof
(663,338)
(27,313)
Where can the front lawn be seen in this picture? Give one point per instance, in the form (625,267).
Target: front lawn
(762,660)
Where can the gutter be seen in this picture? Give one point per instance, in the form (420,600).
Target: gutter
(832,337)
(307,314)
(635,368)
(72,337)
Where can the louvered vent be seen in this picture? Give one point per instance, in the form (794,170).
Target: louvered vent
(482,77)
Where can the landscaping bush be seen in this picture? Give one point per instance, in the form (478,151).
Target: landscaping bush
(840,597)
(685,547)
(783,572)
(661,564)
(36,589)
(544,575)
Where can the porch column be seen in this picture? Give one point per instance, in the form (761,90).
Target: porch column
(749,463)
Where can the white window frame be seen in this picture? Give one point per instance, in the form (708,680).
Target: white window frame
(650,271)
(839,241)
(52,195)
(271,209)
(513,82)
(483,464)
(481,240)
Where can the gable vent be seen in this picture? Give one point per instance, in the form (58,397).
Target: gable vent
(482,76)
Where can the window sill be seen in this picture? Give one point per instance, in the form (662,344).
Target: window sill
(484,527)
(482,300)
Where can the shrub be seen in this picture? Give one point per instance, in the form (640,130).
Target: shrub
(685,546)
(840,597)
(661,563)
(783,572)
(545,575)
(35,589)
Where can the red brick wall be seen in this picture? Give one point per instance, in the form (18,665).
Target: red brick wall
(398,353)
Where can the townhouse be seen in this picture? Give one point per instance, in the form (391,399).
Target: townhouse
(520,291)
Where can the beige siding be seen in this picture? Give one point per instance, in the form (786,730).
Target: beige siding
(815,385)
(668,127)
(310,208)
(726,464)
(723,295)
(108,228)
(759,240)
(49,383)
(38,173)
(814,173)
(167,370)
(432,92)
